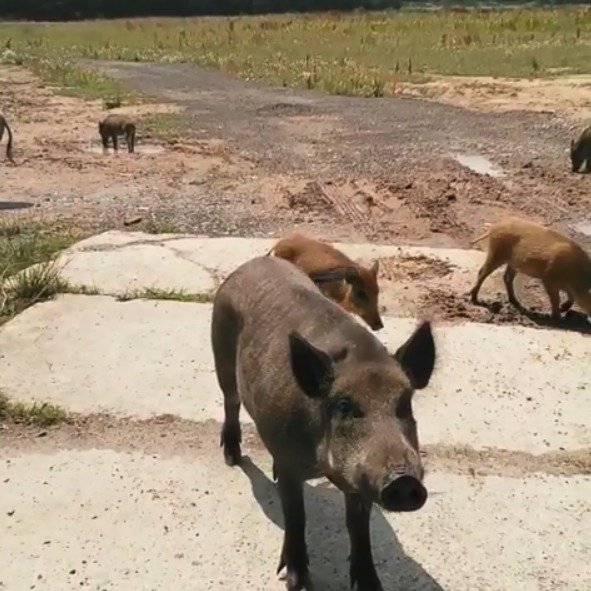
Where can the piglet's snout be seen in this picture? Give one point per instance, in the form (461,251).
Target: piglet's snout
(403,493)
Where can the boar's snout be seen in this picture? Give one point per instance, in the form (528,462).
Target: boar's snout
(373,320)
(403,493)
(377,324)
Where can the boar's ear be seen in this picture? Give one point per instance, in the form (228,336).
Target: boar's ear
(311,367)
(348,274)
(417,356)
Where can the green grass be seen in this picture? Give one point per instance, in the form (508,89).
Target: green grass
(177,295)
(75,80)
(160,226)
(40,415)
(28,269)
(359,54)
(166,126)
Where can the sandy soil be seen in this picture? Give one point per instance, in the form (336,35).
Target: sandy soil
(563,95)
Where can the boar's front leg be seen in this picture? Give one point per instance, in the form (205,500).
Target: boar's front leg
(294,555)
(361,569)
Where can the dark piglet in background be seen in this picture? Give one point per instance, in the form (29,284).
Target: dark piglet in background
(327,398)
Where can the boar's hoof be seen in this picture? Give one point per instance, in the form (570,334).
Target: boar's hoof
(230,440)
(296,578)
(364,579)
(232,457)
(295,581)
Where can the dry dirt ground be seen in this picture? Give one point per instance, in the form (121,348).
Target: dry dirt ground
(167,435)
(259,161)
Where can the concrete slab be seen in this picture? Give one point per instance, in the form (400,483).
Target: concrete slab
(135,267)
(225,254)
(105,520)
(506,387)
(115,262)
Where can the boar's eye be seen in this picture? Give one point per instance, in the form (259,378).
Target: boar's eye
(361,295)
(404,406)
(343,407)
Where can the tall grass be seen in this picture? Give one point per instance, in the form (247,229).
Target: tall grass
(339,53)
(28,269)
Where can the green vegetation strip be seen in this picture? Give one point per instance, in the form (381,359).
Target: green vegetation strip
(177,295)
(29,272)
(40,415)
(357,54)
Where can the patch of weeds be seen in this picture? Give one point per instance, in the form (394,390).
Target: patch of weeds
(161,226)
(78,81)
(167,126)
(40,415)
(29,272)
(177,295)
(23,246)
(80,289)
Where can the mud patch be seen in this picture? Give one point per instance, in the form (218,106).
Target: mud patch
(412,268)
(311,198)
(446,305)
(479,164)
(139,149)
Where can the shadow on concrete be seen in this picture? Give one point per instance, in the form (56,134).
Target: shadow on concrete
(328,541)
(8,205)
(571,321)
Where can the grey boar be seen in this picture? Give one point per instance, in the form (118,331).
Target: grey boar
(114,125)
(353,286)
(4,125)
(580,151)
(327,399)
(534,250)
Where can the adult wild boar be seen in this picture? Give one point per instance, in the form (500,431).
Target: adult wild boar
(327,399)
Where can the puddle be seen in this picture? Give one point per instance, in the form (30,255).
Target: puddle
(583,228)
(139,148)
(479,164)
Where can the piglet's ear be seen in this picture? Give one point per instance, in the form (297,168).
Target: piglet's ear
(417,356)
(312,368)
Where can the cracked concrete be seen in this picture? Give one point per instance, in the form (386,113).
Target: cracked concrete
(141,358)
(118,503)
(118,262)
(105,520)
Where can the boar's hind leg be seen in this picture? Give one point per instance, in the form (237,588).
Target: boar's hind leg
(361,568)
(294,555)
(225,331)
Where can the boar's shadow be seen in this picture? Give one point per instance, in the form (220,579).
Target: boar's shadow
(328,542)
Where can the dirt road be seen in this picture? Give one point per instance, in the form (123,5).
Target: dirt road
(257,161)
(385,165)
